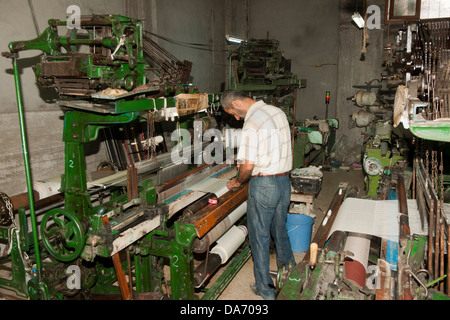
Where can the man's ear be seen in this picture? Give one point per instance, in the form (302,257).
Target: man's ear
(236,104)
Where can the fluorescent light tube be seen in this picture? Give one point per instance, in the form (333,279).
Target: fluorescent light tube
(233,39)
(358,20)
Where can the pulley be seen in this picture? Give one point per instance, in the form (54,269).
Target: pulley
(373,166)
(63,235)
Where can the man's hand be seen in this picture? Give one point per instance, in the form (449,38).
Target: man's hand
(233,184)
(245,172)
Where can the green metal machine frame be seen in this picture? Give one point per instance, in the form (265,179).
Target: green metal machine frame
(322,281)
(66,237)
(383,163)
(116,58)
(259,68)
(381,155)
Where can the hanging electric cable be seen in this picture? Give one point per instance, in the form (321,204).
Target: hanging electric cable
(198,46)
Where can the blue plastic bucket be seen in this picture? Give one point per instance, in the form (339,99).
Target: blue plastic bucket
(299,227)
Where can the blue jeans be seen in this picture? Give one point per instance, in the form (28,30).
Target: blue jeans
(267,208)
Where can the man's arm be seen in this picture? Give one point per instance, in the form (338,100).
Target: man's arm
(245,172)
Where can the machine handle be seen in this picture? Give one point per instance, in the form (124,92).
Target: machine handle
(313,253)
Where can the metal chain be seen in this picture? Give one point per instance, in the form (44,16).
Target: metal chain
(13,231)
(9,206)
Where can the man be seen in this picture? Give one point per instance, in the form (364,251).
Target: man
(264,157)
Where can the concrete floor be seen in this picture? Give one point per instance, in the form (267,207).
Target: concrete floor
(239,288)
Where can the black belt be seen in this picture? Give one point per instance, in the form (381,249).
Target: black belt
(271,175)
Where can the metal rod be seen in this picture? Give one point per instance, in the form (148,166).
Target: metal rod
(27,165)
(441,201)
(206,269)
(448,259)
(441,258)
(430,239)
(423,180)
(130,275)
(404,283)
(437,231)
(420,282)
(403,210)
(437,237)
(33,14)
(294,121)
(414,181)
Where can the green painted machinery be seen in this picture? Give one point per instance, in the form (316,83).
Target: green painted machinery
(76,251)
(106,51)
(327,281)
(261,66)
(381,155)
(313,141)
(115,56)
(394,269)
(258,67)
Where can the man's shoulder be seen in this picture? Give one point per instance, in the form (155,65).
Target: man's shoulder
(262,110)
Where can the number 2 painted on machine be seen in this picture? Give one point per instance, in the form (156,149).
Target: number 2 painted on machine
(71,164)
